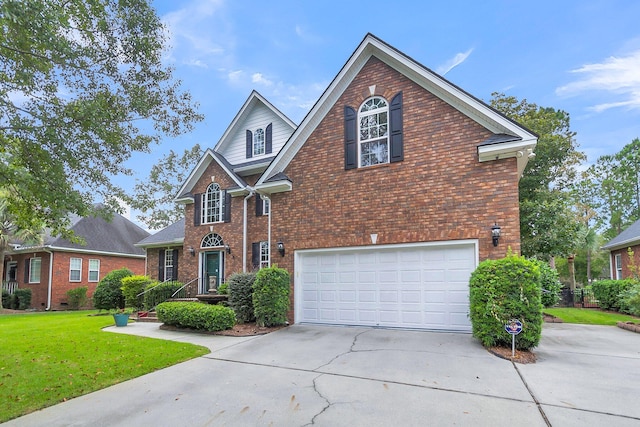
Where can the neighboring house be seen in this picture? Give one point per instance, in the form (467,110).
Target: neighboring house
(380,203)
(618,248)
(58,265)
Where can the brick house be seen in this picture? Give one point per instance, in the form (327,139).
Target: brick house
(58,265)
(618,247)
(380,203)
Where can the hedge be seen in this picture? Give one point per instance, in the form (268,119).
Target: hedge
(631,299)
(550,283)
(240,288)
(108,293)
(505,289)
(196,315)
(271,296)
(608,293)
(132,288)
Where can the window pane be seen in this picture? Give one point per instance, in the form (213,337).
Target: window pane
(94,270)
(258,142)
(211,204)
(34,270)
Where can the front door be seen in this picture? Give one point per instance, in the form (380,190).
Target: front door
(212,271)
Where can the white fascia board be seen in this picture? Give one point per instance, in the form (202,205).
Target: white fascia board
(93,252)
(238,192)
(174,242)
(274,187)
(622,245)
(521,150)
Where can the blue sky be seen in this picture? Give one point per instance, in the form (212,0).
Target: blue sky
(582,57)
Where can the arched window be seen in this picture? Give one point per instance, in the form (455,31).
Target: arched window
(212,240)
(211,204)
(258,142)
(373,132)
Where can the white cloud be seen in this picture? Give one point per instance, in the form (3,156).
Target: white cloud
(458,59)
(258,78)
(235,76)
(618,76)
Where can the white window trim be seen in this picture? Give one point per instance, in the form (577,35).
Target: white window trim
(265,206)
(204,206)
(96,270)
(71,269)
(264,143)
(618,266)
(360,142)
(168,256)
(264,254)
(10,264)
(31,278)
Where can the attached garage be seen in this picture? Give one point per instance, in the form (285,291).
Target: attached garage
(416,286)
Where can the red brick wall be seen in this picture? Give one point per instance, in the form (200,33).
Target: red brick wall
(439,192)
(626,262)
(61,283)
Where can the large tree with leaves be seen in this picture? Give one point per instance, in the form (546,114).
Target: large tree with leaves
(154,195)
(548,226)
(82,86)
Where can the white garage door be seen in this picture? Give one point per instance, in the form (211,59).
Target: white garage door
(408,286)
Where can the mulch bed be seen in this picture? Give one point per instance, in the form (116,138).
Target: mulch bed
(521,356)
(240,330)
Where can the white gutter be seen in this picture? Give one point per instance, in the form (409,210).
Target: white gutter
(50,279)
(244,231)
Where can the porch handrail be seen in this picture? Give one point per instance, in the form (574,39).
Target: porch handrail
(184,286)
(153,287)
(9,286)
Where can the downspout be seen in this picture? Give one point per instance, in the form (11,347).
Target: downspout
(50,279)
(265,197)
(244,231)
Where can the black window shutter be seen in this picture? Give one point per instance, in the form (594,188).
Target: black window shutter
(255,254)
(268,137)
(27,263)
(197,208)
(226,206)
(175,265)
(350,138)
(259,205)
(161,265)
(249,144)
(395,123)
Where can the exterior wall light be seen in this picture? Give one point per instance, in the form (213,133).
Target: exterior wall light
(227,248)
(192,251)
(280,248)
(495,233)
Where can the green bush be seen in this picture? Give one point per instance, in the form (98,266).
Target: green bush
(630,299)
(158,293)
(241,296)
(77,297)
(223,289)
(132,287)
(550,283)
(108,293)
(501,290)
(22,299)
(608,292)
(196,315)
(6,299)
(271,296)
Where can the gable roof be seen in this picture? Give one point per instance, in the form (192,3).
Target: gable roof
(521,141)
(629,237)
(114,237)
(169,236)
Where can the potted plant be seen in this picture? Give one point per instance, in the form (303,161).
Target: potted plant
(121,316)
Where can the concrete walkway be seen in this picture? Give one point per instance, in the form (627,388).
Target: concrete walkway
(348,376)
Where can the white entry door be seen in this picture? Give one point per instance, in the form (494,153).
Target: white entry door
(418,286)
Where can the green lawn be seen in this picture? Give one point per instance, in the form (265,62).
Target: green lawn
(589,316)
(47,358)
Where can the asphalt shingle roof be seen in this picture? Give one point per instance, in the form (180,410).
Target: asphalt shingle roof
(629,236)
(171,234)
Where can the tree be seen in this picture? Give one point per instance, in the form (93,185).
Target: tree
(154,196)
(82,86)
(11,233)
(547,224)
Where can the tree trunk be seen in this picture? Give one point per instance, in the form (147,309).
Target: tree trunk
(588,266)
(552,262)
(1,274)
(572,272)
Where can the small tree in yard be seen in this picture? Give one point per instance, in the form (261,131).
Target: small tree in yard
(271,296)
(108,293)
(505,289)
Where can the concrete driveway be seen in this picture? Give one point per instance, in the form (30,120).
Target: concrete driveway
(348,376)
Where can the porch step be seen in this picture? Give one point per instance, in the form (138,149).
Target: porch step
(146,316)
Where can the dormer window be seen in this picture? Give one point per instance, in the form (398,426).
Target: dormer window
(258,142)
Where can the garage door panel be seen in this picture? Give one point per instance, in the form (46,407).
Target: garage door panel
(413,287)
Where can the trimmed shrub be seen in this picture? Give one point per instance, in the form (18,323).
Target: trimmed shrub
(196,315)
(631,299)
(108,293)
(77,297)
(6,299)
(240,286)
(608,292)
(271,296)
(132,287)
(223,289)
(550,283)
(22,299)
(501,290)
(158,293)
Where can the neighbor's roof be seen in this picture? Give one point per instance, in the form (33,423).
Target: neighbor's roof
(170,236)
(629,237)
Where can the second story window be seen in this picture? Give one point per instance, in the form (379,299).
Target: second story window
(258,142)
(211,204)
(373,126)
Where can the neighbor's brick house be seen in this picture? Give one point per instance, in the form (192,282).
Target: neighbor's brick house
(380,203)
(58,265)
(618,247)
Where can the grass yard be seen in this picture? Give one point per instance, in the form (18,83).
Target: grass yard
(47,358)
(589,316)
